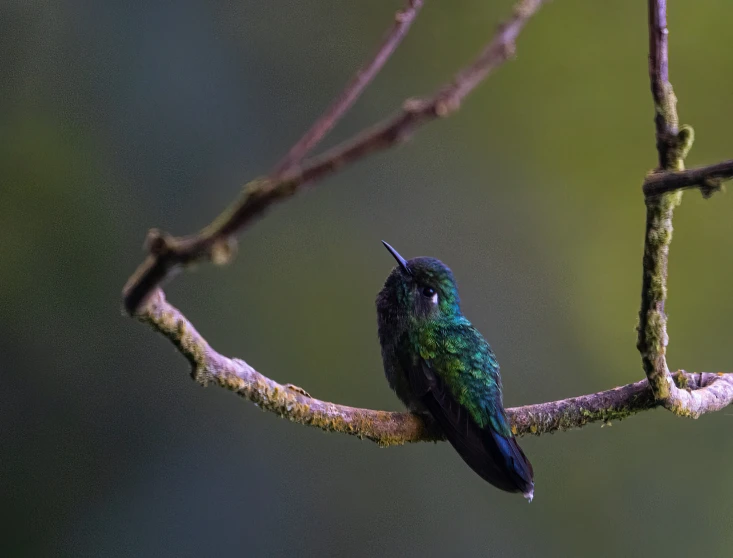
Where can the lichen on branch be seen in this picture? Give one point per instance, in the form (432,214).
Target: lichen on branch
(394,428)
(673,144)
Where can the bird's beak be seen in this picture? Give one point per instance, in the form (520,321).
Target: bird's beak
(396,256)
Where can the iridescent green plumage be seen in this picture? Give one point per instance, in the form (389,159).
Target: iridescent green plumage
(439,364)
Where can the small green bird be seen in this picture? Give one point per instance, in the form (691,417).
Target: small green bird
(438,363)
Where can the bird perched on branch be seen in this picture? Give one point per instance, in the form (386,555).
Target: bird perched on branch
(438,363)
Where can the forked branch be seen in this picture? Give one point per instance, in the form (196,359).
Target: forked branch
(342,103)
(673,144)
(216,242)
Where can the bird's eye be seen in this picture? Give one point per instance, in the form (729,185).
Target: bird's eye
(428,292)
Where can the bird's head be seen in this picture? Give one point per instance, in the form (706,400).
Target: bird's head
(422,289)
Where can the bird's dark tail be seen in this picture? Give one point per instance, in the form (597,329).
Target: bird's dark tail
(497,459)
(518,467)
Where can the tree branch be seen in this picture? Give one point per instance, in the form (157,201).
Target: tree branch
(652,339)
(167,253)
(709,179)
(713,392)
(673,144)
(665,102)
(354,89)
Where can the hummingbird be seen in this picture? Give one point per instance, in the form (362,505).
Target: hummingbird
(439,365)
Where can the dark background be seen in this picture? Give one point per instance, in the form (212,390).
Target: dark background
(120,116)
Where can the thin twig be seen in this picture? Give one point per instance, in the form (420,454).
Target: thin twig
(168,253)
(713,391)
(402,22)
(708,179)
(665,102)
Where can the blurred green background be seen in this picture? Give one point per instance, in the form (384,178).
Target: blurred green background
(120,116)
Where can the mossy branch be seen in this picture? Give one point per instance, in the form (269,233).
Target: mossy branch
(652,330)
(167,253)
(662,190)
(708,391)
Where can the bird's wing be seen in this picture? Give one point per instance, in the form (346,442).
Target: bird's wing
(455,375)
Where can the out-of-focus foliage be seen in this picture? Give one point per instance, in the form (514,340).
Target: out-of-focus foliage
(119,116)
